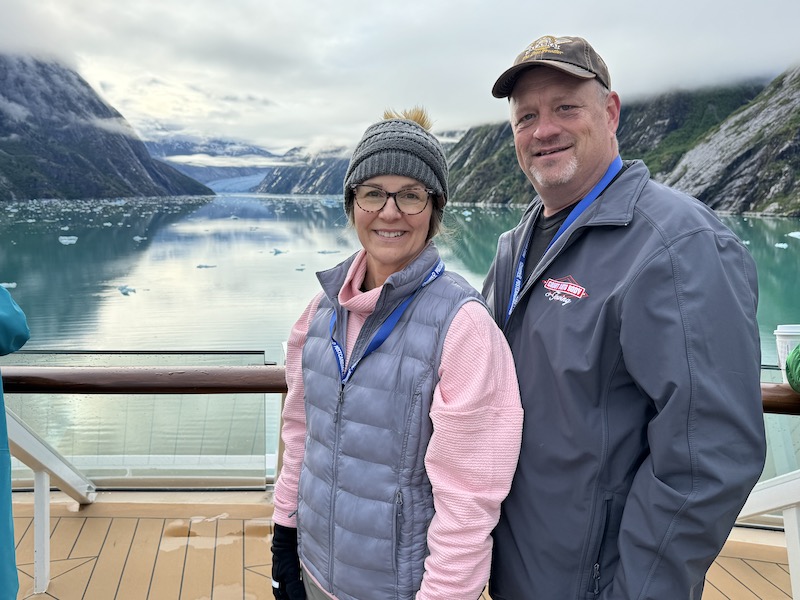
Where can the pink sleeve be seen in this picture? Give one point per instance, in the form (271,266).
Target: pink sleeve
(293,429)
(472,455)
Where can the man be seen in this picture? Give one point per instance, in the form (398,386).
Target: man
(631,313)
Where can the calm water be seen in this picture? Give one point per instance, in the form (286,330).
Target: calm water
(233,273)
(227,273)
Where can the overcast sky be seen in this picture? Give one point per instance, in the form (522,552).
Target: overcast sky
(284,73)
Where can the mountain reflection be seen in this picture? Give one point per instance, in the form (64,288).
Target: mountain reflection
(235,272)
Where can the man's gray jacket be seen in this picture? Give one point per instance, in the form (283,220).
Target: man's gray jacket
(638,356)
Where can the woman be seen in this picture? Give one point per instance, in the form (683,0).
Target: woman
(13,334)
(402,422)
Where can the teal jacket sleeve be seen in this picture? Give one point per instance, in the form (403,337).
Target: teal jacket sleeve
(14,330)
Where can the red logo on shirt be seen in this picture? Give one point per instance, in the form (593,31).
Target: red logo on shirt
(566,285)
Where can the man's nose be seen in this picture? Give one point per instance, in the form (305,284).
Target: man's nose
(546,127)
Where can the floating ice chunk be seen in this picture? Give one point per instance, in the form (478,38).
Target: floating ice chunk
(107,224)
(138,238)
(746,242)
(781,245)
(65,228)
(794,234)
(8,286)
(466,212)
(67,239)
(126,290)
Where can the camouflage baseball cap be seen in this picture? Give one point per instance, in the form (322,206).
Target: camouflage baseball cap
(572,55)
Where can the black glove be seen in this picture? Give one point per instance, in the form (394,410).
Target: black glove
(286,581)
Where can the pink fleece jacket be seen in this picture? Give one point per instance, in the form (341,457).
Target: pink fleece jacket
(473,452)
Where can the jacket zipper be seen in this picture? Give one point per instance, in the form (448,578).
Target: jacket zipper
(604,531)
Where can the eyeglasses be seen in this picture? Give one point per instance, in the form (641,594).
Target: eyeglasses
(409,201)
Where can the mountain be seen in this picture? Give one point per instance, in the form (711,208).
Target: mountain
(483,167)
(214,162)
(320,172)
(662,129)
(751,162)
(59,139)
(230,166)
(323,172)
(736,148)
(169,147)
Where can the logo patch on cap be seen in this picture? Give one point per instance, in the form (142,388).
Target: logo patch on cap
(545,44)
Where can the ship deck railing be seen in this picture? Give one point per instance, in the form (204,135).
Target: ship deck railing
(778,496)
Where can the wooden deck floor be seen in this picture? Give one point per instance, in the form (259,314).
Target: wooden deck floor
(215,546)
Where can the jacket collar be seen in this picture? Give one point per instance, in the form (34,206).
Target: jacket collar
(398,285)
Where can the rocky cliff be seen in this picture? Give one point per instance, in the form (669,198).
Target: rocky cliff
(752,161)
(307,174)
(59,139)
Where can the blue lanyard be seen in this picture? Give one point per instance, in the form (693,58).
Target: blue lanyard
(614,168)
(383,332)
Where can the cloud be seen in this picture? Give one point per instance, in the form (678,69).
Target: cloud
(299,73)
(12,110)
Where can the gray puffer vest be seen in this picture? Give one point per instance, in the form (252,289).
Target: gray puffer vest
(365,501)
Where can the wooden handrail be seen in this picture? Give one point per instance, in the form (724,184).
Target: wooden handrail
(144,380)
(778,398)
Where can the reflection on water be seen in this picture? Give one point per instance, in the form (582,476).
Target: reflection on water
(174,274)
(231,273)
(234,272)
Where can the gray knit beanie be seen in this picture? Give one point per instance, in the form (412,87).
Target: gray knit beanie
(398,147)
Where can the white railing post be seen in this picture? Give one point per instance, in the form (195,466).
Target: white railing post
(791,528)
(41,531)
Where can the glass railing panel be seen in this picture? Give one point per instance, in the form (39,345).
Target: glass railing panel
(154,440)
(783,448)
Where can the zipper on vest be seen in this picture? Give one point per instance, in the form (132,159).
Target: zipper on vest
(398,522)
(399,503)
(339,404)
(334,484)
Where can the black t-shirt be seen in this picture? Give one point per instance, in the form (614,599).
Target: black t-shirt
(544,230)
